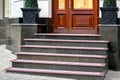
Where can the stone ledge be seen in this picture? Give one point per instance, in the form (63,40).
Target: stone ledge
(24,24)
(109,25)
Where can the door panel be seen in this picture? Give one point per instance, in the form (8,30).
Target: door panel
(75,14)
(82,20)
(60,20)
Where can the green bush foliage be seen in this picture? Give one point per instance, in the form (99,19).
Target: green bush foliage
(109,3)
(31,4)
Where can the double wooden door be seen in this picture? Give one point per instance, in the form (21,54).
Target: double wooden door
(75,15)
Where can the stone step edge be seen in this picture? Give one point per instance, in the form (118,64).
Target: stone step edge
(63,72)
(62,40)
(60,63)
(64,47)
(58,34)
(63,55)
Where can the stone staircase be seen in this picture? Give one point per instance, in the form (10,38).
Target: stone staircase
(77,56)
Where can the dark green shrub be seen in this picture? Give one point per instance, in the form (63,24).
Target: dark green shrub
(31,4)
(109,3)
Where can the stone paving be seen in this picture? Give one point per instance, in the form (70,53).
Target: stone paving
(6,56)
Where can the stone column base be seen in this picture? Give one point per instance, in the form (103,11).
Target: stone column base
(17,33)
(111,33)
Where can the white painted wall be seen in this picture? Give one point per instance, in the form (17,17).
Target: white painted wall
(44,5)
(16,5)
(15,8)
(1,9)
(118,4)
(101,4)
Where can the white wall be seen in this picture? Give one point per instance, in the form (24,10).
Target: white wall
(44,5)
(101,4)
(118,4)
(1,9)
(16,5)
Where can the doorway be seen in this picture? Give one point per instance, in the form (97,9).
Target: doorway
(74,16)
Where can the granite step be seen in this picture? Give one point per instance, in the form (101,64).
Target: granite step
(64,49)
(77,56)
(68,36)
(62,42)
(59,65)
(62,57)
(79,75)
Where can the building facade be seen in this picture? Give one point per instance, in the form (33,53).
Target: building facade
(11,13)
(9,7)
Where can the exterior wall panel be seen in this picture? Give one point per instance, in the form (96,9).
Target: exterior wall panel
(1,9)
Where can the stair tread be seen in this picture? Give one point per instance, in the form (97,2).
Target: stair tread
(64,47)
(60,63)
(58,34)
(63,55)
(64,72)
(62,40)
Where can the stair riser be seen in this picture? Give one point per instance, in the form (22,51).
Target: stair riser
(74,77)
(70,37)
(67,51)
(82,44)
(58,67)
(67,59)
(83,31)
(77,31)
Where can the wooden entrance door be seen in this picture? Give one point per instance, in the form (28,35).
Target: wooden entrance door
(75,16)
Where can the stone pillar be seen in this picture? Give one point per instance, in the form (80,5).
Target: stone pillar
(17,33)
(111,33)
